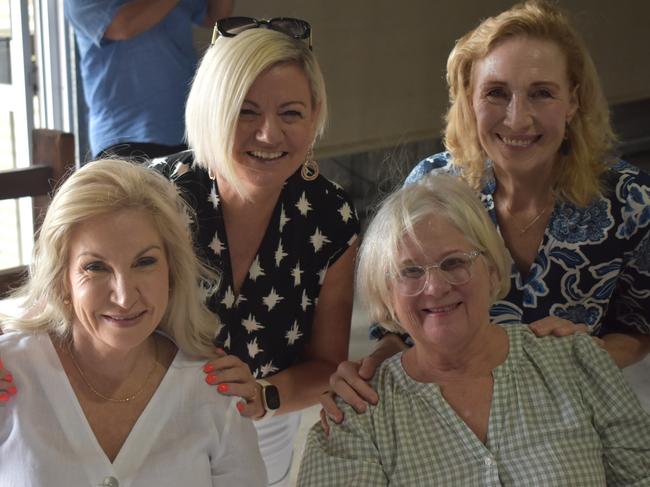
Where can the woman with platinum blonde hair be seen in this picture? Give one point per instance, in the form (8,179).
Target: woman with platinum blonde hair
(472,402)
(282,235)
(108,358)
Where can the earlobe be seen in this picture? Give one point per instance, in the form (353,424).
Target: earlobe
(494,282)
(574,103)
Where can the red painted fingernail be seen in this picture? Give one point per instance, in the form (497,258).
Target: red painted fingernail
(12,391)
(4,397)
(8,378)
(207,368)
(240,407)
(222,387)
(212,379)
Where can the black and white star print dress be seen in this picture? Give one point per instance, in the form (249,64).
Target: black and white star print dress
(312,225)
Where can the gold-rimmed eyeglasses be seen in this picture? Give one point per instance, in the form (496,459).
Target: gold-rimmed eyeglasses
(455,269)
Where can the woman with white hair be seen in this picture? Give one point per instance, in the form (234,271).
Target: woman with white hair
(472,402)
(282,235)
(108,360)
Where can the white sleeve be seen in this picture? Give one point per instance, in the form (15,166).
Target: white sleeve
(236,458)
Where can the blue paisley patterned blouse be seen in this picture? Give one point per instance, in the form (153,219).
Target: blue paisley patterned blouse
(593,265)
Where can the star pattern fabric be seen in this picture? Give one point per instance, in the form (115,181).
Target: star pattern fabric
(312,225)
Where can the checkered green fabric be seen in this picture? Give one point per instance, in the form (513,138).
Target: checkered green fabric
(562,415)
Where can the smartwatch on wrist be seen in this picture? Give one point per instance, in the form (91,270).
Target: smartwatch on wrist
(270,398)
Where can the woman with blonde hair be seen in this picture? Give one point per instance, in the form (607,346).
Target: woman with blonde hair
(282,235)
(528,128)
(108,359)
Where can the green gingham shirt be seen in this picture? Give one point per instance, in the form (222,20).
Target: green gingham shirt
(562,415)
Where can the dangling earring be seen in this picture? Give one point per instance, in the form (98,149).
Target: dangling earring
(309,170)
(211,174)
(565,146)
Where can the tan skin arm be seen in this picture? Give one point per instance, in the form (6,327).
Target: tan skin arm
(625,349)
(136,17)
(349,380)
(139,16)
(301,385)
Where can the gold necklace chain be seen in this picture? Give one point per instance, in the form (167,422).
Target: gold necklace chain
(533,221)
(113,399)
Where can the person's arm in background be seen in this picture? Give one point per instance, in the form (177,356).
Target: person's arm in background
(136,17)
(217,9)
(624,348)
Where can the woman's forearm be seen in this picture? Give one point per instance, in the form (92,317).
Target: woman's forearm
(301,385)
(626,349)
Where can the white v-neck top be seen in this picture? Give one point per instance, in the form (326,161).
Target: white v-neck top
(186,436)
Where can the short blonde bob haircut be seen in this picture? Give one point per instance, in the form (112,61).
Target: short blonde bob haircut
(435,195)
(109,186)
(226,73)
(590,134)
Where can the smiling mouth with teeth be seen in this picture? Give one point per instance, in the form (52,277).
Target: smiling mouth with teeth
(444,309)
(518,142)
(126,318)
(267,156)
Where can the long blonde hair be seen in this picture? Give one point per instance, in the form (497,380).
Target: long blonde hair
(108,186)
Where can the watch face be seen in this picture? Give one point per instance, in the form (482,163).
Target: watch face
(272,397)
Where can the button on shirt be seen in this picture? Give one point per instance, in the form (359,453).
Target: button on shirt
(110,482)
(561,414)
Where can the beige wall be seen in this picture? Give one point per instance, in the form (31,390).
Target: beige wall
(384,60)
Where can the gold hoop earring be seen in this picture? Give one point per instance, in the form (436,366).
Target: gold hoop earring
(211,174)
(309,170)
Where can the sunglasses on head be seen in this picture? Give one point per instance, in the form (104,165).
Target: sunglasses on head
(231,26)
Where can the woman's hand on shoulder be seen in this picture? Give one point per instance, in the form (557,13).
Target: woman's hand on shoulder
(7,387)
(232,377)
(349,382)
(559,327)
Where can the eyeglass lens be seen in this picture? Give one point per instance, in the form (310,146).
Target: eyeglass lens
(455,269)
